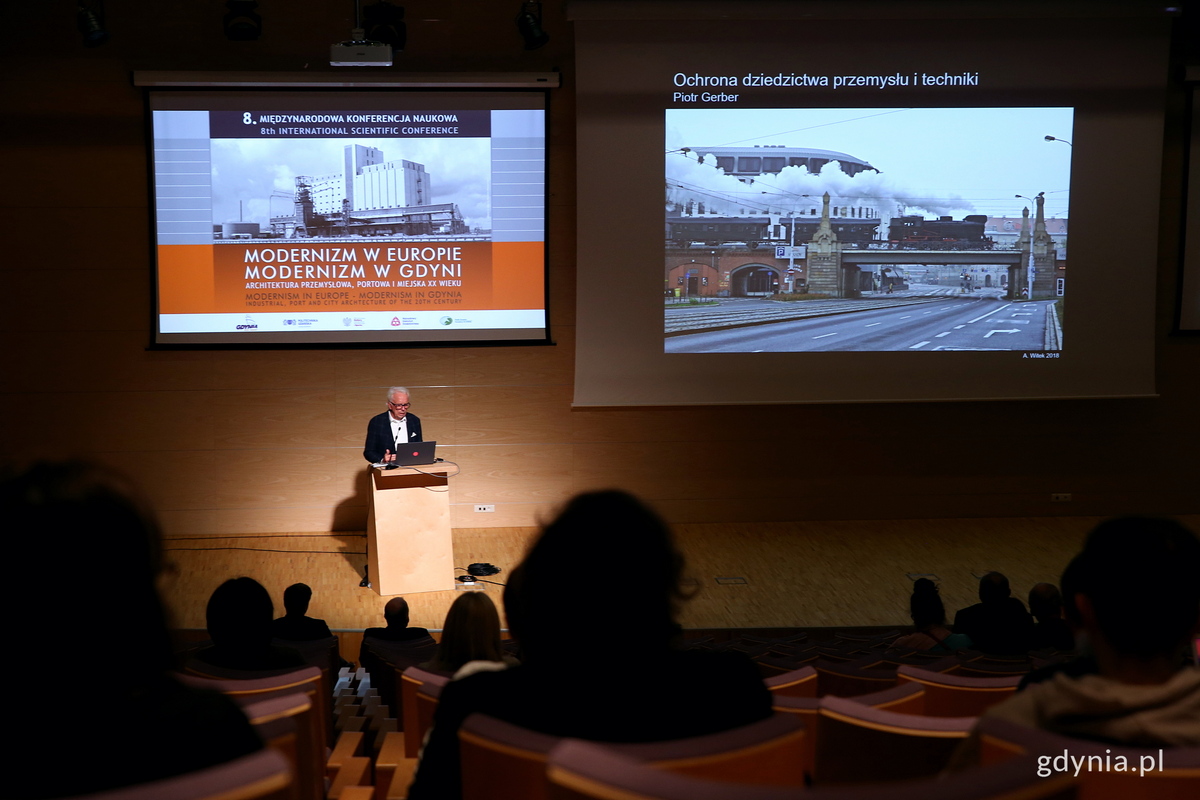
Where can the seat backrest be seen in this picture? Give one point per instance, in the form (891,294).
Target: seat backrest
(412,680)
(767,752)
(313,726)
(981,665)
(854,743)
(848,680)
(908,698)
(800,682)
(384,659)
(958,695)
(279,721)
(502,761)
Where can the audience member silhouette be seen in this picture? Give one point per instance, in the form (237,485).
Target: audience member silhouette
(295,625)
(239,617)
(1084,662)
(998,623)
(929,618)
(103,631)
(471,634)
(1138,601)
(634,687)
(1050,629)
(395,613)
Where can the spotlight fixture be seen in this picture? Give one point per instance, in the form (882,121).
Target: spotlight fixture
(529,25)
(90,22)
(359,51)
(242,24)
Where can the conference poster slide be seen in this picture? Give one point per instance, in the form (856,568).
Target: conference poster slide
(348,221)
(866,229)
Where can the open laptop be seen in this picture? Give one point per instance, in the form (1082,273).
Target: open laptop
(415,453)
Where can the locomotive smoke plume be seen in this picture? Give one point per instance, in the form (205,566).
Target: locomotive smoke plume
(690,182)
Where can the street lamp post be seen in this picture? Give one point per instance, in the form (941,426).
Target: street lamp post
(1030,269)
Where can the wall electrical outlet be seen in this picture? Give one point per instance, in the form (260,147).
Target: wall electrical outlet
(1060,497)
(482,509)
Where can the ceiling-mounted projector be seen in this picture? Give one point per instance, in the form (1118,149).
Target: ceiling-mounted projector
(360,52)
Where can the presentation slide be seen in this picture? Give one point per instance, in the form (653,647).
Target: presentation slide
(314,217)
(790,209)
(927,238)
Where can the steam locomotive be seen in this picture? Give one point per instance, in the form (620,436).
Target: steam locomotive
(710,231)
(915,232)
(908,232)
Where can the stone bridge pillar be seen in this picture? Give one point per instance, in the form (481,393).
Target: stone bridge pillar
(1034,277)
(825,275)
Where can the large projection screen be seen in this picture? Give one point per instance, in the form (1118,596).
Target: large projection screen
(349,217)
(956,209)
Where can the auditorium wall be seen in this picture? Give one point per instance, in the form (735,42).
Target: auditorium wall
(231,442)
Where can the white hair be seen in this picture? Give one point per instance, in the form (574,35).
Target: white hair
(397,390)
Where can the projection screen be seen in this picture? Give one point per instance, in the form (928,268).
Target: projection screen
(776,209)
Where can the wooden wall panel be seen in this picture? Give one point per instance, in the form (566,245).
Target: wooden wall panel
(513,414)
(274,370)
(100,361)
(273,419)
(53,296)
(524,482)
(383,367)
(520,366)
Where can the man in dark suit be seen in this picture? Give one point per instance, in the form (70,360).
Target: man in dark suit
(295,625)
(393,426)
(998,623)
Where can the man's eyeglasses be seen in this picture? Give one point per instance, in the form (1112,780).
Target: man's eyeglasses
(398,405)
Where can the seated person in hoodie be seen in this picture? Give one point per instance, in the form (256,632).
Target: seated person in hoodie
(1139,602)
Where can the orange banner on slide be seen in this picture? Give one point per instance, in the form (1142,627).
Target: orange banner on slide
(185,279)
(313,275)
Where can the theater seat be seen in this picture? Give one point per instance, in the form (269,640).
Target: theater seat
(412,680)
(949,695)
(314,726)
(506,762)
(855,743)
(794,683)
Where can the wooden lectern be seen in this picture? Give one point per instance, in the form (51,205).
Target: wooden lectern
(408,530)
